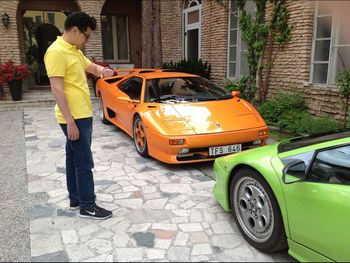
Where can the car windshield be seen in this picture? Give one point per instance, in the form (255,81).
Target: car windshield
(183,89)
(312,139)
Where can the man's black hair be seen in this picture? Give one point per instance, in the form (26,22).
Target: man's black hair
(81,20)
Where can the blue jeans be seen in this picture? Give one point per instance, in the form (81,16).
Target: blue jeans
(79,162)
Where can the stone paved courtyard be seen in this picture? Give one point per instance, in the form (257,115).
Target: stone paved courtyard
(160,212)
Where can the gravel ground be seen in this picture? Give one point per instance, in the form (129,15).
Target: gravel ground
(14,199)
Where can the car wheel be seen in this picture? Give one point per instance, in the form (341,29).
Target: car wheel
(101,113)
(256,211)
(140,139)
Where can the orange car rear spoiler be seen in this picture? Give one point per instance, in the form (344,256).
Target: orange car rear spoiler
(129,71)
(124,72)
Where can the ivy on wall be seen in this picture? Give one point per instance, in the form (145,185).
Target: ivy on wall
(343,83)
(260,33)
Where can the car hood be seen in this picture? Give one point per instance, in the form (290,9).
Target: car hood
(210,117)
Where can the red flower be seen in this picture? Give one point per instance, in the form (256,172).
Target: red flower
(9,71)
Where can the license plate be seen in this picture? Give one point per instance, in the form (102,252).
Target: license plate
(219,150)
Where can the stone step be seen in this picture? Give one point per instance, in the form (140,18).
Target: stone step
(32,97)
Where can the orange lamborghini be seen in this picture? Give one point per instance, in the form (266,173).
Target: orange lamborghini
(178,117)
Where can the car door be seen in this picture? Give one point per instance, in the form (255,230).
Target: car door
(319,207)
(132,89)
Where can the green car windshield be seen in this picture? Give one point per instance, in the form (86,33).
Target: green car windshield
(183,89)
(300,142)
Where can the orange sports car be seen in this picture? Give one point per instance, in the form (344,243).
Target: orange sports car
(178,117)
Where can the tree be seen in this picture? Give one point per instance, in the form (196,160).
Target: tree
(151,36)
(343,83)
(258,34)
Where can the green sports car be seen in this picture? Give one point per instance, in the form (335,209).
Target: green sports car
(293,194)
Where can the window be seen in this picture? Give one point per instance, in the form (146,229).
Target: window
(192,29)
(184,89)
(51,18)
(132,87)
(38,20)
(331,43)
(331,166)
(115,38)
(237,62)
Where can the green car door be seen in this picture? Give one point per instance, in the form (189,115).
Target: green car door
(319,206)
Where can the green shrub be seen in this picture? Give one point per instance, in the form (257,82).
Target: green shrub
(288,111)
(273,109)
(243,85)
(190,66)
(300,123)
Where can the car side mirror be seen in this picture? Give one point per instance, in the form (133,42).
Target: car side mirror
(124,99)
(293,172)
(128,100)
(236,93)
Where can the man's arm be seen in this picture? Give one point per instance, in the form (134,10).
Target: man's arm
(57,85)
(100,71)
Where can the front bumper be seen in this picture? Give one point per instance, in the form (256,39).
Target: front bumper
(198,145)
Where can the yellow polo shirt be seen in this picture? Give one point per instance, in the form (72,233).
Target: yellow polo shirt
(65,60)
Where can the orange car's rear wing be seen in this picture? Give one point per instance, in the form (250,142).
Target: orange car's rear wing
(125,72)
(129,71)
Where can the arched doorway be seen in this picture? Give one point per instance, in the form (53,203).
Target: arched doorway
(45,34)
(41,26)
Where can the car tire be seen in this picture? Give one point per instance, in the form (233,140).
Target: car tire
(256,211)
(139,135)
(101,113)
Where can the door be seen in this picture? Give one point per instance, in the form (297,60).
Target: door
(319,208)
(125,109)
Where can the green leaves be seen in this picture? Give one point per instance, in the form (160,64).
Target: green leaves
(343,83)
(342,80)
(257,31)
(197,67)
(245,85)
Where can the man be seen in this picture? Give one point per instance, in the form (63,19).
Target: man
(66,68)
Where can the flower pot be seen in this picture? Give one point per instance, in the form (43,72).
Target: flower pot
(2,93)
(16,89)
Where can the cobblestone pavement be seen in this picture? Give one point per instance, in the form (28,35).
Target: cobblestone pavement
(160,212)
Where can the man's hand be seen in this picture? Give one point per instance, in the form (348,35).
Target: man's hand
(107,72)
(99,71)
(61,100)
(72,131)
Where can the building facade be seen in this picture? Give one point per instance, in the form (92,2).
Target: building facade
(147,33)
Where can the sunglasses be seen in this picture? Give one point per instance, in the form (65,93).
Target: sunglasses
(86,35)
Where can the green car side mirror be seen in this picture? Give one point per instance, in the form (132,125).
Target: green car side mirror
(293,172)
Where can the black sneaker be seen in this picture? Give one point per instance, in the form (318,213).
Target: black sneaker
(95,212)
(73,206)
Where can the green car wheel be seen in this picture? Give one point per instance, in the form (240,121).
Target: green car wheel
(256,211)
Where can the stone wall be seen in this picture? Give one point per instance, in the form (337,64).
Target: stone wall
(9,41)
(171,30)
(214,38)
(291,68)
(214,28)
(94,45)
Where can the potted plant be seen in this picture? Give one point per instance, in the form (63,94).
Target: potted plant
(2,81)
(92,76)
(13,75)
